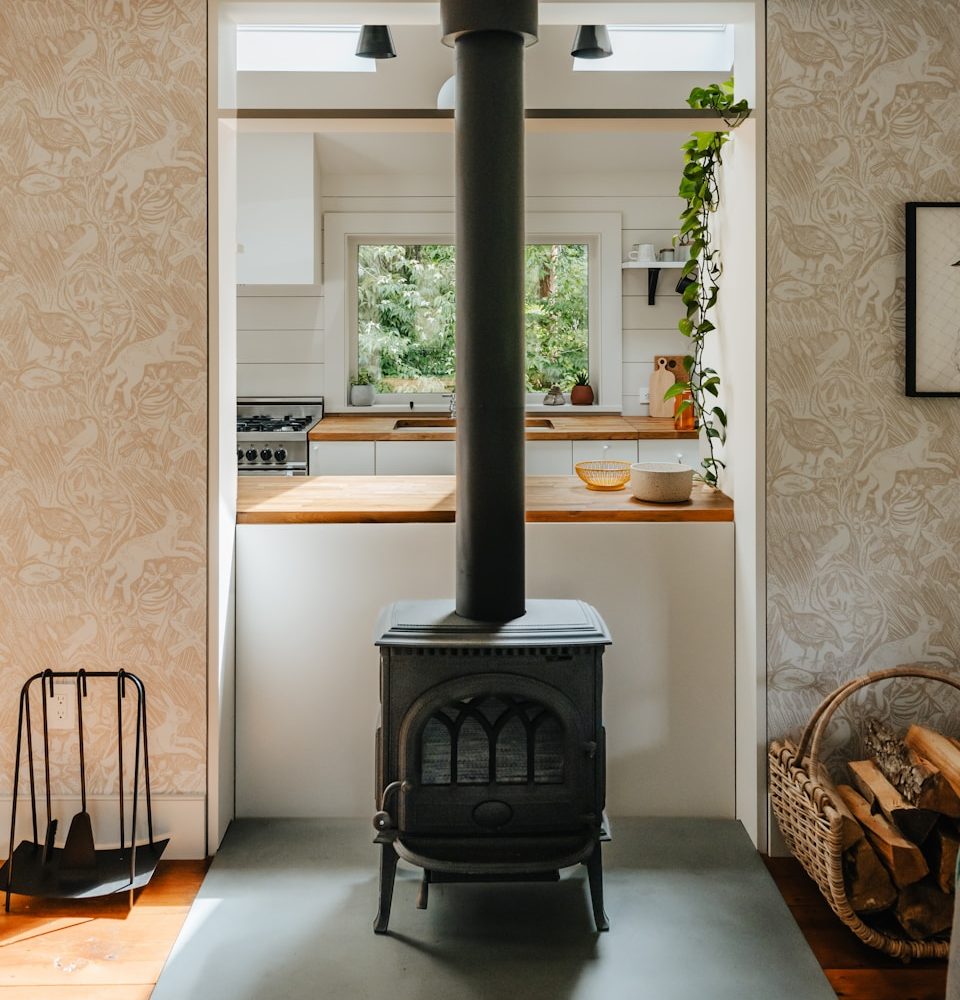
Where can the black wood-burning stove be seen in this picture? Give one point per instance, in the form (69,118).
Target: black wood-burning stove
(490,753)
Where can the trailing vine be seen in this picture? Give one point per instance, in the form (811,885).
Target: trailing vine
(700,276)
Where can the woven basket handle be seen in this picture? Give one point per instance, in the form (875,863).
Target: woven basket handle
(813,734)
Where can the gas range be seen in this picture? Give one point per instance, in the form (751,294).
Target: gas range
(272,434)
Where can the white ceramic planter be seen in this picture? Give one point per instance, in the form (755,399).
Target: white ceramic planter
(361,395)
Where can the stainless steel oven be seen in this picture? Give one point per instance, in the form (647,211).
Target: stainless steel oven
(272,434)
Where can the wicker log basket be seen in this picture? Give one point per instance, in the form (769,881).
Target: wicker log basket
(804,799)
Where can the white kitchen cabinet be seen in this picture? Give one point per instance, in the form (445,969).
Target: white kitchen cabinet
(276,209)
(342,458)
(416,458)
(548,458)
(598,451)
(667,451)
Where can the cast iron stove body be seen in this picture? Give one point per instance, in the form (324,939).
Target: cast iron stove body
(490,752)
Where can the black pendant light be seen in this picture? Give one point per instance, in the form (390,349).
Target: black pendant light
(376,42)
(592,42)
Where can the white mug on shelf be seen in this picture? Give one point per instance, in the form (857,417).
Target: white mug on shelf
(643,251)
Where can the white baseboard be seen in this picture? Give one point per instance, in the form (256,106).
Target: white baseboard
(182,818)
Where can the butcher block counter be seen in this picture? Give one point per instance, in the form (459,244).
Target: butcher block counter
(431,499)
(540,427)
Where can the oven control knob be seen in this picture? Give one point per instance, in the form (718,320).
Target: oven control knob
(280,454)
(265,454)
(239,454)
(251,454)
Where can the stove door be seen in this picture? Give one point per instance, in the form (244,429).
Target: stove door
(495,754)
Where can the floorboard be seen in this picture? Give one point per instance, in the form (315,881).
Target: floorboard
(855,971)
(95,949)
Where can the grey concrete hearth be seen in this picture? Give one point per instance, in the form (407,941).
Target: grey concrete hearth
(287,907)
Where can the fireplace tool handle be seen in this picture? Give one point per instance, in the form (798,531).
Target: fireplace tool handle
(382,820)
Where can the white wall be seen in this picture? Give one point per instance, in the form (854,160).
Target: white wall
(307,689)
(280,348)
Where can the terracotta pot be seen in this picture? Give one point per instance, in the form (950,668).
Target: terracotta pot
(581,395)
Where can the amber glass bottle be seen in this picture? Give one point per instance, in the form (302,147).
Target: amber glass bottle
(684,421)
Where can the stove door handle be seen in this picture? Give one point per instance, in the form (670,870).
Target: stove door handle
(382,820)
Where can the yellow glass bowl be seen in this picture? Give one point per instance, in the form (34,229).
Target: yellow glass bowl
(604,475)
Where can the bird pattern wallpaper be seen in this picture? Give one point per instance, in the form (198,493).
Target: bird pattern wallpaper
(863,483)
(103,353)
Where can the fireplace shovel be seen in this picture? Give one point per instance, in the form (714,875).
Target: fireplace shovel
(79,857)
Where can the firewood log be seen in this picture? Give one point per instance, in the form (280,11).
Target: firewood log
(851,832)
(915,824)
(923,910)
(904,860)
(941,751)
(916,779)
(868,885)
(941,850)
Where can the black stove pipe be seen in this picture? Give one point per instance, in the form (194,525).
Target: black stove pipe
(489,37)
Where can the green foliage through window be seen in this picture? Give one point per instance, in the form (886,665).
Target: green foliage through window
(406,315)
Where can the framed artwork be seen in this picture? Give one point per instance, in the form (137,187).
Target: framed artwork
(933,298)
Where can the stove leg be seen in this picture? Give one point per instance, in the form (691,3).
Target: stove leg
(388,870)
(424,894)
(595,873)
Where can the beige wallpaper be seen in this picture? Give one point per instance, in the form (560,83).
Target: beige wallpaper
(103,364)
(863,484)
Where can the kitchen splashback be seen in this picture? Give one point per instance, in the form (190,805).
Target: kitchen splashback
(103,343)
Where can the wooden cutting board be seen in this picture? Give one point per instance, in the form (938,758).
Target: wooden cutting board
(661,380)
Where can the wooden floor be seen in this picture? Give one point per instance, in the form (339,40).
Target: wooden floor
(855,971)
(98,950)
(95,949)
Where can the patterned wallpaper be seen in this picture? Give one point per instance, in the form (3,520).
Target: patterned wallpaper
(103,334)
(863,484)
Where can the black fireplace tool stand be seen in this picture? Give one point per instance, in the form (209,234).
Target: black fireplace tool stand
(79,870)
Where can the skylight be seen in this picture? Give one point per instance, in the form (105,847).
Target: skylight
(659,48)
(300,48)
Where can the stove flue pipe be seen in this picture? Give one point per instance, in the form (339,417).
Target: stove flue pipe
(489,37)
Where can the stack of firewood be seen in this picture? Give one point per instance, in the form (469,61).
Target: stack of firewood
(901,833)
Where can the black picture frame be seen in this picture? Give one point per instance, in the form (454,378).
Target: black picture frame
(924,327)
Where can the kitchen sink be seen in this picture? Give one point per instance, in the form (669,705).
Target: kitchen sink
(439,423)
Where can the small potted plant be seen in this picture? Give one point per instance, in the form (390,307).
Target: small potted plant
(362,388)
(582,393)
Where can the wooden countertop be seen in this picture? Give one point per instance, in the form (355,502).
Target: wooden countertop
(413,499)
(565,427)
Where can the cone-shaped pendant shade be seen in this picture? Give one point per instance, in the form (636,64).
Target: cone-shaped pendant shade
(592,42)
(376,42)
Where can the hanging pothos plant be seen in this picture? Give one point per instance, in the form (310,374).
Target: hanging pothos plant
(701,275)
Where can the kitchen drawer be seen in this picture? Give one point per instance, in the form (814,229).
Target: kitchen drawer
(597,451)
(342,458)
(548,458)
(416,458)
(667,451)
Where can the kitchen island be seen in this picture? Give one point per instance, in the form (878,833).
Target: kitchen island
(432,499)
(318,557)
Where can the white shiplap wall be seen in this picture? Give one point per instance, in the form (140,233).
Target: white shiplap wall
(280,328)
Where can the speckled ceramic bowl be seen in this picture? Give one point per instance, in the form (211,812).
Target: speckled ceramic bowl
(661,482)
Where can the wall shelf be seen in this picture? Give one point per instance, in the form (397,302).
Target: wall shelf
(653,268)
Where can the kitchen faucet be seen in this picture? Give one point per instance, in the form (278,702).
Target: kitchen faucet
(452,396)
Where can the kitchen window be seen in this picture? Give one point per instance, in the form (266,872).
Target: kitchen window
(406,316)
(390,305)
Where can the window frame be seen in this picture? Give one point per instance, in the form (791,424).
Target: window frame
(343,232)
